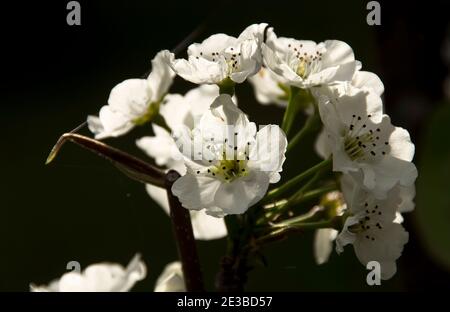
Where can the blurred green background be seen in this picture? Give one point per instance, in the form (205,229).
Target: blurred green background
(80,208)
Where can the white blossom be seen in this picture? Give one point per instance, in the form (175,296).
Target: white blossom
(372,228)
(171,279)
(305,63)
(181,110)
(229,164)
(361,81)
(361,138)
(133,101)
(221,56)
(269,88)
(101,277)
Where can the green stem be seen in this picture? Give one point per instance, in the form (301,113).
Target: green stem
(310,125)
(291,110)
(304,218)
(283,232)
(315,225)
(226,86)
(314,194)
(301,192)
(289,185)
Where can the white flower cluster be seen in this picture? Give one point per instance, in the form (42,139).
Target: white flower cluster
(370,152)
(227,165)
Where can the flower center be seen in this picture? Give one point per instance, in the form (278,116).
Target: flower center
(151,112)
(360,143)
(231,162)
(231,58)
(230,170)
(369,224)
(305,63)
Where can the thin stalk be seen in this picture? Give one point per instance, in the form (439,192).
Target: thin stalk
(291,110)
(184,238)
(291,184)
(314,194)
(309,126)
(284,232)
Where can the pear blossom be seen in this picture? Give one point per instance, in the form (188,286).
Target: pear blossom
(269,88)
(229,164)
(101,277)
(181,110)
(171,279)
(221,57)
(372,228)
(305,63)
(335,205)
(133,101)
(361,81)
(361,138)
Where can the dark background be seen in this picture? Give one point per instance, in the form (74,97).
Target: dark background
(80,208)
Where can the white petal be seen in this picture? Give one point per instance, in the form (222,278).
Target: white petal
(386,249)
(400,144)
(224,120)
(254,31)
(207,227)
(390,171)
(161,76)
(322,145)
(269,153)
(200,99)
(159,195)
(201,70)
(323,244)
(345,237)
(407,194)
(195,191)
(337,53)
(102,277)
(237,196)
(266,87)
(368,80)
(163,149)
(332,75)
(348,186)
(214,44)
(95,125)
(131,97)
(176,111)
(250,61)
(171,279)
(110,124)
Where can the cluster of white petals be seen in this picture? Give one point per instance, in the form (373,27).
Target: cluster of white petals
(305,63)
(236,163)
(374,226)
(221,57)
(226,164)
(181,110)
(132,101)
(376,157)
(101,277)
